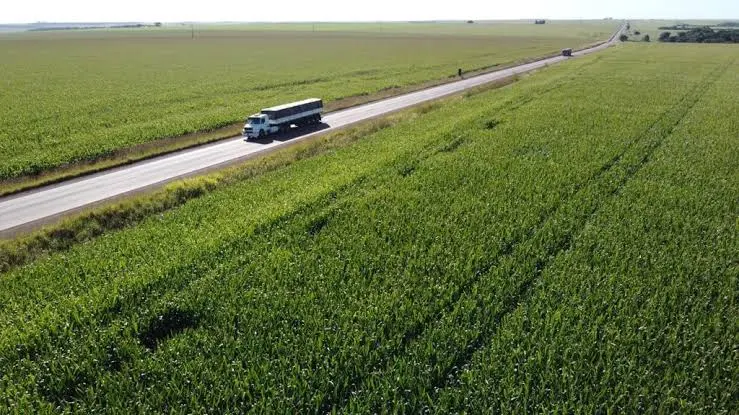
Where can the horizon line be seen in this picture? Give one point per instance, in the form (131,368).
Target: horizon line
(358,21)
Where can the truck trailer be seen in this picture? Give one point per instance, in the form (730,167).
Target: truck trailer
(282,117)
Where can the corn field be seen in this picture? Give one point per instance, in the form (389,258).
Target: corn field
(564,244)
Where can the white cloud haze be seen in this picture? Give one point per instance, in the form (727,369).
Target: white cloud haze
(343,10)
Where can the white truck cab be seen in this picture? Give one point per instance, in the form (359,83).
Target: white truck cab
(257,125)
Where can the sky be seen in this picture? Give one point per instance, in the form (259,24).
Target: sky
(27,11)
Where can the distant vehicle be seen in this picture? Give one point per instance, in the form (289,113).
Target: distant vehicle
(281,118)
(567,52)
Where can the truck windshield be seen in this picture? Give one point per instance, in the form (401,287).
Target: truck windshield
(254,120)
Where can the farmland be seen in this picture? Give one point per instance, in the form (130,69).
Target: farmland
(565,243)
(77,96)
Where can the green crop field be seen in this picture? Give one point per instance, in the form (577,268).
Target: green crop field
(564,244)
(80,95)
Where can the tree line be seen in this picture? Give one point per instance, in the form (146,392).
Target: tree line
(702,35)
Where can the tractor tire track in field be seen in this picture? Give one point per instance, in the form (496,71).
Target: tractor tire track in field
(418,329)
(652,138)
(406,169)
(660,130)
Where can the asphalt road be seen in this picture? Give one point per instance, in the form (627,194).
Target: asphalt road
(37,206)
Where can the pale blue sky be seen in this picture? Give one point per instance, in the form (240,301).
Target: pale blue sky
(20,11)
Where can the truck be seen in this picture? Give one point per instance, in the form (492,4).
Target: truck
(567,52)
(282,117)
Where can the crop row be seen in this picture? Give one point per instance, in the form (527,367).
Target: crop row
(640,314)
(366,278)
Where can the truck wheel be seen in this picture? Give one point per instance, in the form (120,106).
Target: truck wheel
(262,134)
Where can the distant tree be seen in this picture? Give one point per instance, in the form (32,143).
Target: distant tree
(646,38)
(158,24)
(664,37)
(623,38)
(470,21)
(628,26)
